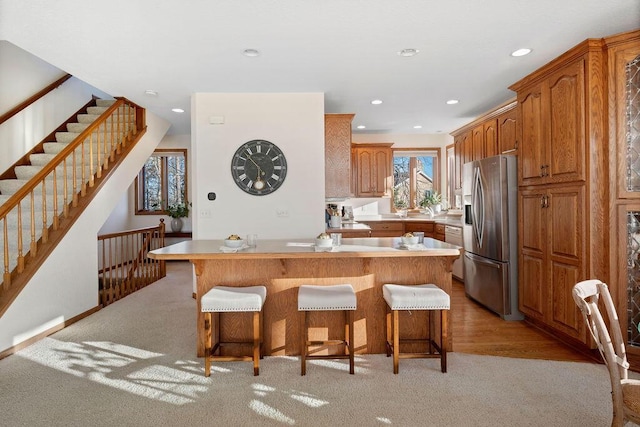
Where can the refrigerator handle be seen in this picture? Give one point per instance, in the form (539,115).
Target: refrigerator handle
(484,261)
(477,200)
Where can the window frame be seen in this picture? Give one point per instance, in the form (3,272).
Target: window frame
(436,179)
(139,181)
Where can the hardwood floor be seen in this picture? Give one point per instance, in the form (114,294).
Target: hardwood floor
(476,330)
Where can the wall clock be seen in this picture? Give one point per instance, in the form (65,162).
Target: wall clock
(258,167)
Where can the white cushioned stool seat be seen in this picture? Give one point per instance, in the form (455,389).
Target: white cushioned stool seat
(324,298)
(229,298)
(418,297)
(427,297)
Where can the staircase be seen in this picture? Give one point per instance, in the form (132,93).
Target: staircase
(46,191)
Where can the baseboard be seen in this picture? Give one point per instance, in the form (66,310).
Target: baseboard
(50,331)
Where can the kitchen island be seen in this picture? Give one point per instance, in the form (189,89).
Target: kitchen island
(283,265)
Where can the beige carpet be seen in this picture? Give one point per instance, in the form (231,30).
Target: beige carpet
(133,364)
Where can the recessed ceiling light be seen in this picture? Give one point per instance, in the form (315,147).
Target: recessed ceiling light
(376,102)
(452,101)
(251,52)
(408,52)
(417,127)
(177,110)
(361,127)
(151,92)
(521,52)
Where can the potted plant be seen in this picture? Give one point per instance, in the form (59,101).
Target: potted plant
(177,212)
(432,201)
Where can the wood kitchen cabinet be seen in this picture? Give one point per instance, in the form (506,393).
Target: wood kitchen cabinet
(373,169)
(337,155)
(428,228)
(491,134)
(563,206)
(552,256)
(439,232)
(552,114)
(385,228)
(507,132)
(623,72)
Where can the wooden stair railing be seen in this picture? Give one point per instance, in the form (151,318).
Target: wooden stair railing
(123,263)
(24,104)
(67,183)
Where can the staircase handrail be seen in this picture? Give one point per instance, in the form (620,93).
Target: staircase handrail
(27,102)
(37,179)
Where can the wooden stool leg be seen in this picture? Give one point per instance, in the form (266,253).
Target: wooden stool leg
(388,322)
(208,345)
(261,335)
(431,333)
(444,332)
(396,342)
(256,343)
(303,344)
(351,345)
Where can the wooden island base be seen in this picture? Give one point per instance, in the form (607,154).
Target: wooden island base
(283,272)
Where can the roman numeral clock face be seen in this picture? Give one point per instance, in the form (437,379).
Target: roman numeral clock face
(258,167)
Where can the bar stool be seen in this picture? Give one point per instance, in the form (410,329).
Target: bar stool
(417,297)
(326,298)
(233,299)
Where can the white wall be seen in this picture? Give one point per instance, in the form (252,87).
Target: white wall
(21,76)
(66,285)
(382,205)
(295,123)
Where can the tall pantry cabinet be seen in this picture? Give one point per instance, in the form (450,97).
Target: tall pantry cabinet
(623,54)
(563,197)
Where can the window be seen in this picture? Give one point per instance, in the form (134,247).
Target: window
(162,182)
(415,175)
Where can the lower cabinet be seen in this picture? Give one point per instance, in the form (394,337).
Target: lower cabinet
(386,228)
(552,256)
(439,232)
(426,227)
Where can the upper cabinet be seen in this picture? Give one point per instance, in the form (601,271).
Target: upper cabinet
(372,165)
(337,152)
(489,135)
(552,120)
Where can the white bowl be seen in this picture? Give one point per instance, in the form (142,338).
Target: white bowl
(410,240)
(324,243)
(233,243)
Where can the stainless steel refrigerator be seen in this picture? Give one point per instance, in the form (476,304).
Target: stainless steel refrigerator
(490,234)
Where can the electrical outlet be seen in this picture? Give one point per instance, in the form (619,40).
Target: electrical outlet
(205,213)
(282,213)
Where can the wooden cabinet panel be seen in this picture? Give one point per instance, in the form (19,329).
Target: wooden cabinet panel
(428,228)
(565,158)
(551,256)
(386,228)
(531,156)
(458,153)
(373,169)
(477,143)
(467,154)
(490,129)
(337,155)
(507,133)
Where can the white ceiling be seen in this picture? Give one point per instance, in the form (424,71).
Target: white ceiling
(344,48)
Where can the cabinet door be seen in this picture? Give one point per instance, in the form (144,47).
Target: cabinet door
(458,162)
(382,171)
(366,178)
(532,150)
(567,233)
(490,129)
(507,136)
(566,144)
(337,155)
(477,142)
(467,148)
(533,245)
